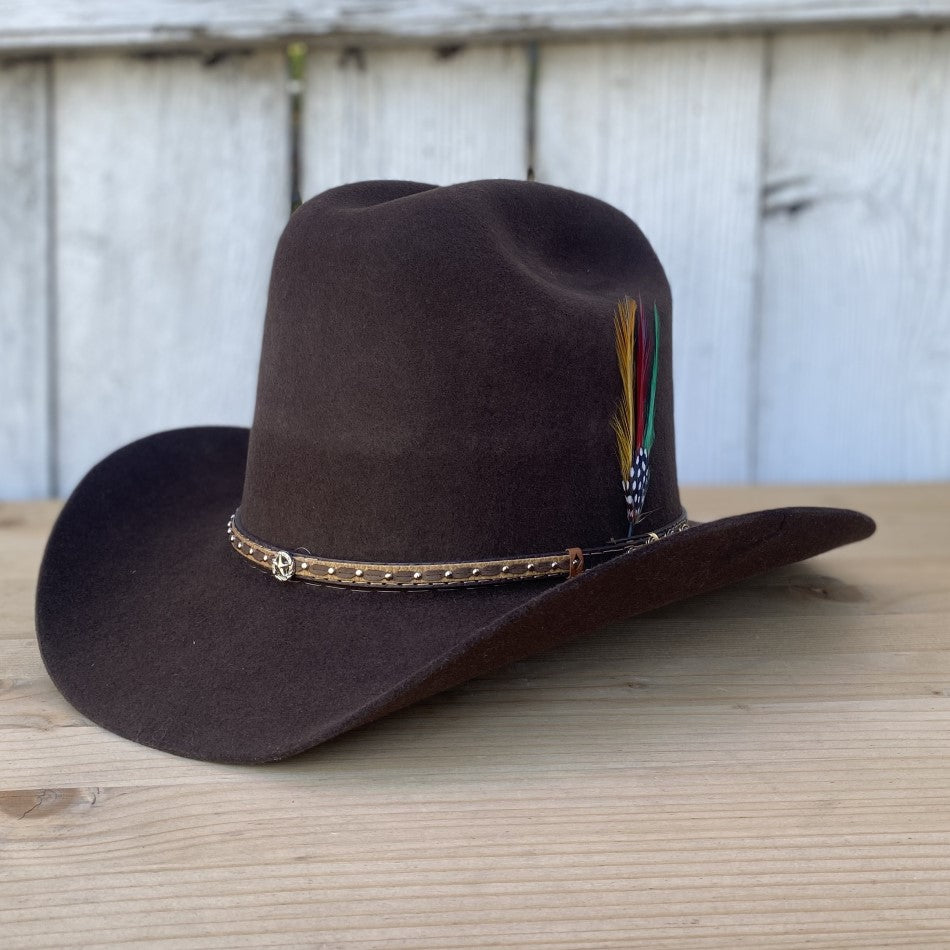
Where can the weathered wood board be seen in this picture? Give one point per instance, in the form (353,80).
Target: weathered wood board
(854,368)
(97,23)
(420,114)
(25,381)
(173,183)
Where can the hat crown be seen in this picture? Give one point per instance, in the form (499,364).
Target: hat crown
(439,374)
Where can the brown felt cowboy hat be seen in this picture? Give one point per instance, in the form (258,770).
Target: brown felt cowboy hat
(462,454)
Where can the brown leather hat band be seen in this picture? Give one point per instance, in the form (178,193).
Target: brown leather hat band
(300,565)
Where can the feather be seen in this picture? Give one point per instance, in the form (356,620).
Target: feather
(624,420)
(649,434)
(637,344)
(641,352)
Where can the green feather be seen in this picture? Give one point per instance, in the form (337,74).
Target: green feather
(648,431)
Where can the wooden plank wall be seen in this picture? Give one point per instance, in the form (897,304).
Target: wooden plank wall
(420,114)
(854,370)
(796,184)
(172,185)
(25,419)
(77,24)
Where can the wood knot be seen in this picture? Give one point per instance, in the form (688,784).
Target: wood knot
(32,803)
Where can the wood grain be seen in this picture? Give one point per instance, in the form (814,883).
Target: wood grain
(417,114)
(172,182)
(24,281)
(64,24)
(762,767)
(854,378)
(669,132)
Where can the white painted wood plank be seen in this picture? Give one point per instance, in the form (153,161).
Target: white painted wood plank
(172,181)
(415,114)
(668,131)
(28,24)
(855,371)
(24,381)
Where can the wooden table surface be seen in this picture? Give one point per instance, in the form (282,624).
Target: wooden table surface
(767,766)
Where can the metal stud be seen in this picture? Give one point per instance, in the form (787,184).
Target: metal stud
(240,545)
(265,557)
(416,575)
(553,565)
(505,569)
(475,572)
(358,572)
(448,573)
(388,576)
(529,567)
(303,565)
(331,570)
(250,550)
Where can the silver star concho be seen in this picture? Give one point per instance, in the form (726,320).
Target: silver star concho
(282,566)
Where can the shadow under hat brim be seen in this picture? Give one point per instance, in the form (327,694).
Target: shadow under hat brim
(152,627)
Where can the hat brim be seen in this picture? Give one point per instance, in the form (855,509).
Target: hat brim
(151,626)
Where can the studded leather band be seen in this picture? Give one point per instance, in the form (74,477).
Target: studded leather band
(300,565)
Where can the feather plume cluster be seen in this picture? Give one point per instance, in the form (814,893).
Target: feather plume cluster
(637,343)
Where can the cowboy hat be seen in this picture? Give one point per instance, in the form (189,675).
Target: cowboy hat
(462,454)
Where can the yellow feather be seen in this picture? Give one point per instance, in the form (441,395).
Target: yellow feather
(624,420)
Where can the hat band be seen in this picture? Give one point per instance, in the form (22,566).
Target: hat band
(301,565)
